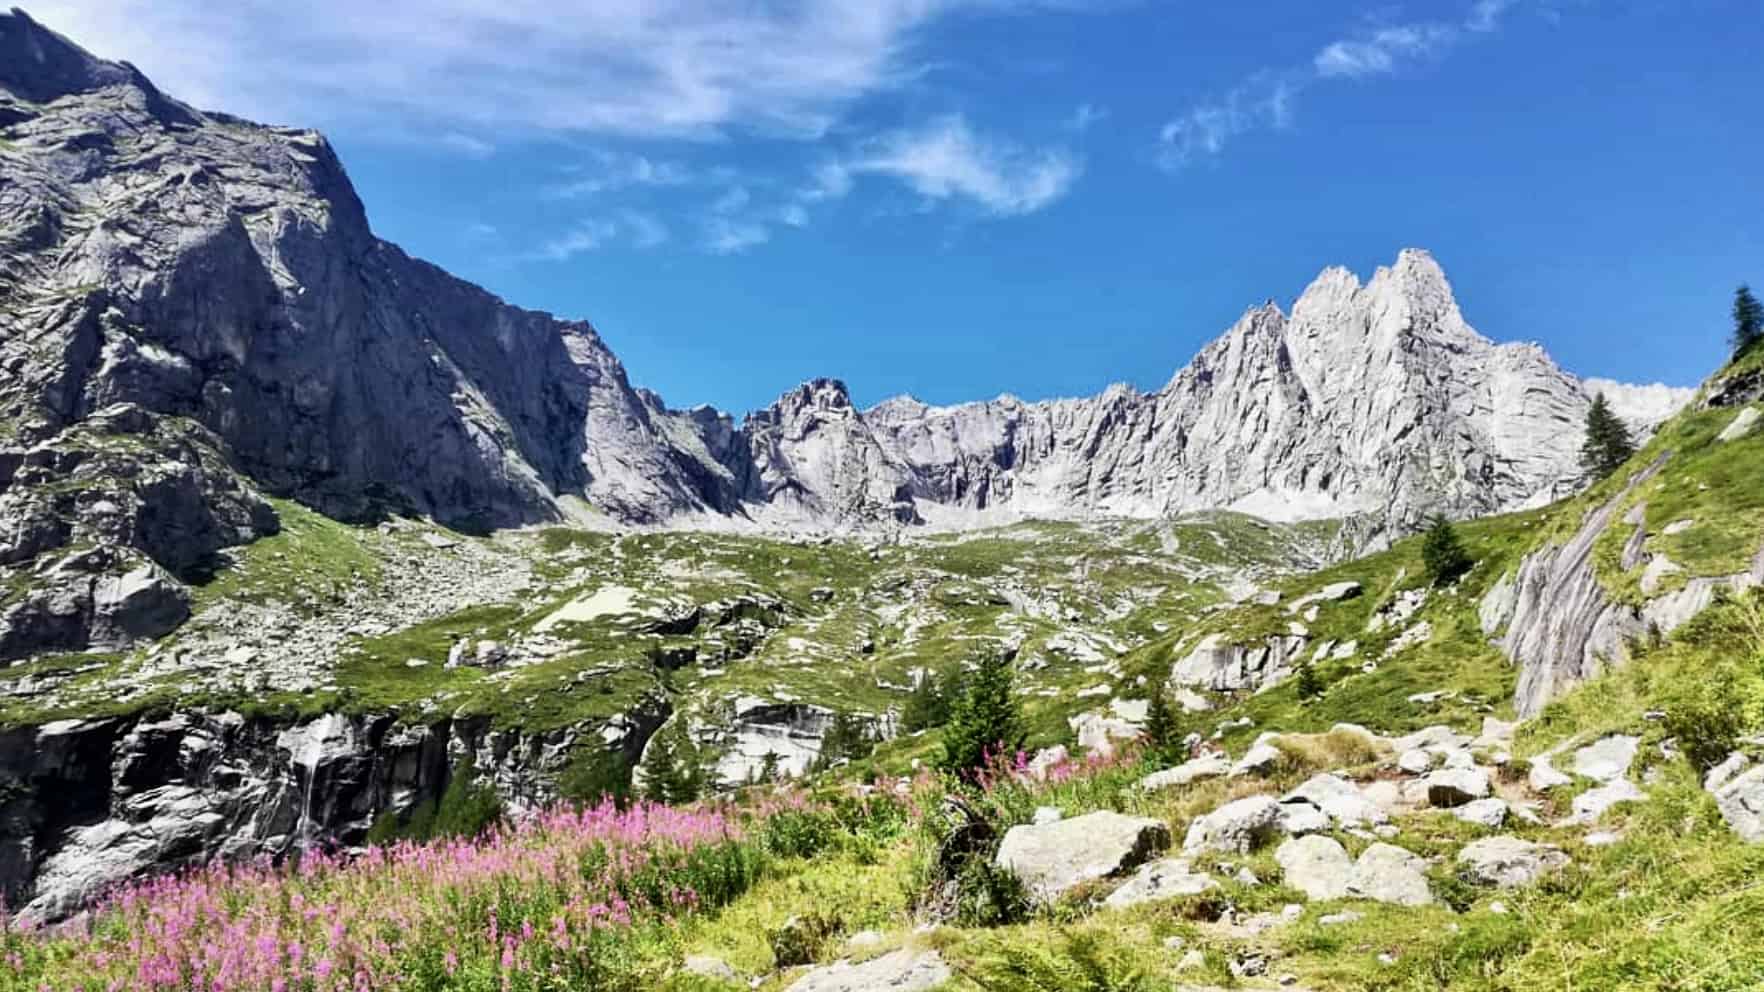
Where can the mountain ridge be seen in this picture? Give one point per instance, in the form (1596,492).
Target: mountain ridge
(197,311)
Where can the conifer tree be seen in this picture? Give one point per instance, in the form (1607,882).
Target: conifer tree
(1163,737)
(847,738)
(1748,320)
(984,721)
(1310,684)
(928,706)
(1442,553)
(671,772)
(1608,444)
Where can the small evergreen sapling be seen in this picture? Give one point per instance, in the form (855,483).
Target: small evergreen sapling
(1442,553)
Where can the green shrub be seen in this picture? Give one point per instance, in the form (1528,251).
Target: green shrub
(1708,719)
(989,896)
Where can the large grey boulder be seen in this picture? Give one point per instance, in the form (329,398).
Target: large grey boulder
(1386,873)
(1506,862)
(1491,812)
(901,971)
(1236,827)
(1340,800)
(1317,866)
(1170,878)
(1741,801)
(1052,858)
(1451,787)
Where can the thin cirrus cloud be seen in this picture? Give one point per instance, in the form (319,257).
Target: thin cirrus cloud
(626,68)
(1265,100)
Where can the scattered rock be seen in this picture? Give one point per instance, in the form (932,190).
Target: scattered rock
(1543,776)
(901,971)
(1740,426)
(708,967)
(1052,858)
(1741,801)
(1589,806)
(1490,812)
(1451,787)
(1607,760)
(1258,760)
(1212,766)
(1416,762)
(1725,772)
(1236,827)
(1386,873)
(1507,862)
(1167,879)
(1317,866)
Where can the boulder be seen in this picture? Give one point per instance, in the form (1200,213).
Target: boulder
(1210,766)
(1300,818)
(1607,760)
(1258,760)
(1507,862)
(1589,806)
(1339,799)
(1386,873)
(1052,858)
(1543,776)
(1236,827)
(901,971)
(143,603)
(1725,772)
(1416,762)
(1437,739)
(1451,787)
(1490,812)
(715,969)
(1742,424)
(1170,878)
(1741,801)
(1317,866)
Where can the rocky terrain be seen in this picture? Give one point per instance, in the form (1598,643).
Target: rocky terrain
(300,537)
(196,315)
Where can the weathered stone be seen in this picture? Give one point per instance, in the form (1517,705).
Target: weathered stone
(1194,770)
(1236,827)
(1416,762)
(1450,787)
(1607,760)
(1490,812)
(901,971)
(1507,862)
(1590,805)
(1166,879)
(1052,858)
(1741,801)
(715,969)
(1317,866)
(1385,873)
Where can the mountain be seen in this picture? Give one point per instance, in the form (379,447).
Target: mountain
(195,315)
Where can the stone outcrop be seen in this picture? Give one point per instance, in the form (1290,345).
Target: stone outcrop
(87,804)
(901,971)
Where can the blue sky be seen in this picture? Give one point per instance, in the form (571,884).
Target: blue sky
(961,198)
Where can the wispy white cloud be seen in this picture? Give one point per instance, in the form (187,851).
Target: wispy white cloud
(621,67)
(947,159)
(1266,99)
(644,230)
(608,171)
(1383,50)
(1086,116)
(467,145)
(728,236)
(1205,130)
(587,236)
